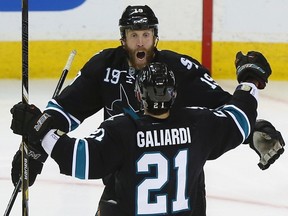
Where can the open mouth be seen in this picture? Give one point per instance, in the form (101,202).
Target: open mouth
(140,55)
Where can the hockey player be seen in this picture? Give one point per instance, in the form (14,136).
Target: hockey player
(157,156)
(107,81)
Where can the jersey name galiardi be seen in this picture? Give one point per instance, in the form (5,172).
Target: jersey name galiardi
(163,137)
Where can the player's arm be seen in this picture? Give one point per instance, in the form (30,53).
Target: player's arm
(65,113)
(194,80)
(208,93)
(80,158)
(265,140)
(253,71)
(56,117)
(88,158)
(232,124)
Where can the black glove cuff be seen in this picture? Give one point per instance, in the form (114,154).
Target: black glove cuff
(250,72)
(40,128)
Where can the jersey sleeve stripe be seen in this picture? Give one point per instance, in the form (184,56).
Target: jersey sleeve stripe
(240,119)
(72,121)
(80,167)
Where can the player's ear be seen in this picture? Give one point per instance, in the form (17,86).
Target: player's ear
(122,41)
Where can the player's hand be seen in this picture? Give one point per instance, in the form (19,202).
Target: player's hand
(267,142)
(36,159)
(28,120)
(252,67)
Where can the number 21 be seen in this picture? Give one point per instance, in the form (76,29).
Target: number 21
(181,202)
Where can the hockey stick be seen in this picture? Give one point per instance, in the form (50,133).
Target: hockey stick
(56,92)
(64,73)
(13,197)
(25,99)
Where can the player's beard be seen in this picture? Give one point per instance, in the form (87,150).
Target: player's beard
(139,58)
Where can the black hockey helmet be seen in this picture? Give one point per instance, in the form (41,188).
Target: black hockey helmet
(138,18)
(155,88)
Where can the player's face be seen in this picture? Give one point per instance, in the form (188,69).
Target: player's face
(140,47)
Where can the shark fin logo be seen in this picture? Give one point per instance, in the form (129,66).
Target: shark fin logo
(121,104)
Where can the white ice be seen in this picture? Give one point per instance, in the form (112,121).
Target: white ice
(235,185)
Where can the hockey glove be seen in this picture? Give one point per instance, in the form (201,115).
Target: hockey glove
(28,120)
(267,142)
(37,157)
(252,66)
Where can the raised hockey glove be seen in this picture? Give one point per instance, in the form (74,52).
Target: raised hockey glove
(252,66)
(267,142)
(28,120)
(37,157)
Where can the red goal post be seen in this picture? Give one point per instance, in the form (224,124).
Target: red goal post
(207,28)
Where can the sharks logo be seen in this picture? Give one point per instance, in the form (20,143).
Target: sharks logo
(121,105)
